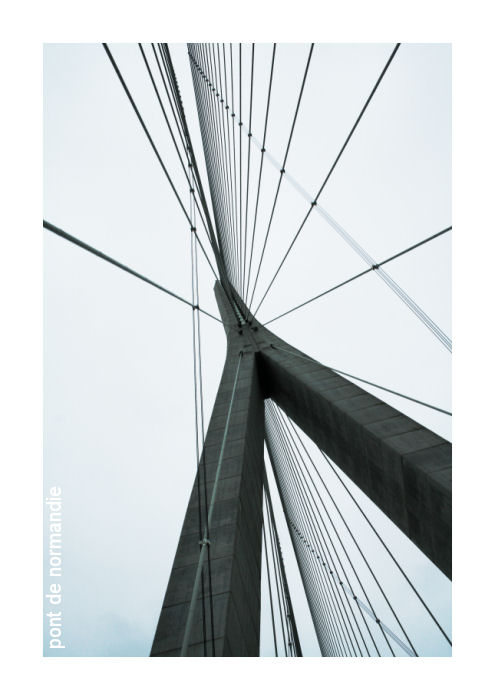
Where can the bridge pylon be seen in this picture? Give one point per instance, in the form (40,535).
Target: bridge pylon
(213,599)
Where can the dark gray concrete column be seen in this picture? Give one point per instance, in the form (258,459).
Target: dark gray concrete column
(404,468)
(235,532)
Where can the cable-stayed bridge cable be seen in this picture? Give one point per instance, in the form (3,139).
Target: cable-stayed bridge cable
(304,514)
(260,170)
(372,268)
(364,381)
(162,107)
(315,532)
(282,169)
(387,549)
(152,143)
(385,629)
(112,261)
(315,201)
(423,317)
(326,625)
(324,632)
(365,559)
(270,589)
(295,635)
(248,171)
(313,601)
(215,167)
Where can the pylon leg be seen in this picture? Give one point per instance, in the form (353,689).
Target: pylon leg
(403,467)
(235,531)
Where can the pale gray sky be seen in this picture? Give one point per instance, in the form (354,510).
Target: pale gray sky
(119,415)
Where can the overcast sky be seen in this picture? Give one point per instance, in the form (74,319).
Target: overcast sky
(119,412)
